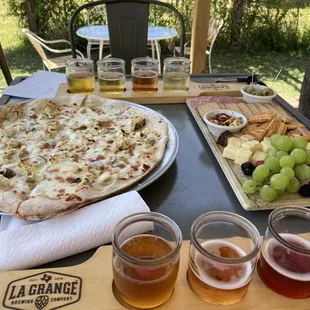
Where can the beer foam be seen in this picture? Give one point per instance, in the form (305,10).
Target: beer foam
(268,250)
(213,246)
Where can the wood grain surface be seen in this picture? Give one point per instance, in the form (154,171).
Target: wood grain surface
(96,288)
(162,96)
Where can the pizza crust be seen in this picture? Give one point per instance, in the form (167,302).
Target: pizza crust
(42,207)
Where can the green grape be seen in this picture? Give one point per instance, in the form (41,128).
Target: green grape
(249,187)
(299,142)
(302,172)
(280,191)
(289,172)
(272,153)
(273,164)
(260,173)
(273,140)
(307,161)
(293,186)
(299,155)
(268,193)
(279,181)
(284,143)
(287,161)
(280,154)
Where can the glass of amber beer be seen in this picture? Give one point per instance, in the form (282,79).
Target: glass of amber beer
(111,75)
(176,74)
(284,264)
(145,266)
(80,75)
(144,74)
(222,258)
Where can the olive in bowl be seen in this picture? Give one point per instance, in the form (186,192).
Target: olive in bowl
(257,93)
(219,121)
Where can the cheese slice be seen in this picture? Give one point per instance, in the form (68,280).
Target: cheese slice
(234,141)
(243,156)
(258,155)
(266,146)
(230,151)
(252,146)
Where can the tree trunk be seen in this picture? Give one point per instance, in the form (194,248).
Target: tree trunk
(236,14)
(32,19)
(304,102)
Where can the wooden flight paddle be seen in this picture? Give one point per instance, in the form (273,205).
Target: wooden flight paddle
(162,96)
(89,286)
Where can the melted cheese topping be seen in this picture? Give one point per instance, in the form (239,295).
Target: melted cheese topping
(56,150)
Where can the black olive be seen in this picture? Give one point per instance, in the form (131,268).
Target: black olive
(304,190)
(247,168)
(223,138)
(7,173)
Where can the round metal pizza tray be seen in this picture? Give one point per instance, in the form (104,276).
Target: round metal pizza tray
(169,157)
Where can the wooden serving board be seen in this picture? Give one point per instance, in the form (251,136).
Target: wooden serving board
(162,96)
(89,286)
(233,171)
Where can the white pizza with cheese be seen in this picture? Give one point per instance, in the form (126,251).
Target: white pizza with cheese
(57,155)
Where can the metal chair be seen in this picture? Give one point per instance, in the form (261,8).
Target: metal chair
(39,45)
(215,26)
(128,27)
(5,67)
(99,10)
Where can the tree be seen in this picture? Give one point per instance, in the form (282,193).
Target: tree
(236,17)
(304,102)
(32,19)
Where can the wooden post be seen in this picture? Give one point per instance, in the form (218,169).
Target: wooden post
(200,35)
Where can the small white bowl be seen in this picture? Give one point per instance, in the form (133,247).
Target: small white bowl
(215,129)
(256,99)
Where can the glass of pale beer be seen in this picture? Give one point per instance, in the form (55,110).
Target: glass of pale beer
(145,265)
(80,75)
(222,257)
(176,74)
(144,75)
(111,75)
(284,264)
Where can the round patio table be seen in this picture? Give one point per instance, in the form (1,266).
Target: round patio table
(101,33)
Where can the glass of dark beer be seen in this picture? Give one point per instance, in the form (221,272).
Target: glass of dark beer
(144,75)
(284,264)
(222,258)
(145,265)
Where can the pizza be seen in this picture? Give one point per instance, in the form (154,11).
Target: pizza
(57,155)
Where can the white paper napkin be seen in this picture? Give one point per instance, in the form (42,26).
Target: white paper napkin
(76,232)
(42,84)
(10,222)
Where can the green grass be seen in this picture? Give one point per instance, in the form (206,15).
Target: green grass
(266,65)
(23,59)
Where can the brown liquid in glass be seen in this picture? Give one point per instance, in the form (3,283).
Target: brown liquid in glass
(145,287)
(290,261)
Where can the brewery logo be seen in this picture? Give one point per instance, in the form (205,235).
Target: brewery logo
(46,290)
(214,87)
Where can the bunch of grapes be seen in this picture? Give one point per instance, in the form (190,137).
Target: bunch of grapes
(284,167)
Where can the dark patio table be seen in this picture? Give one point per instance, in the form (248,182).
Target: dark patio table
(195,183)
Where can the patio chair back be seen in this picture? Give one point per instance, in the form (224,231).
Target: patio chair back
(35,41)
(128,27)
(215,25)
